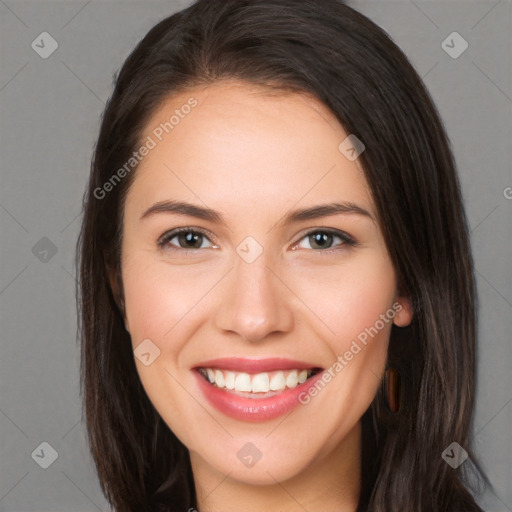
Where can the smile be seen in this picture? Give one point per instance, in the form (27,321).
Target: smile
(240,389)
(258,383)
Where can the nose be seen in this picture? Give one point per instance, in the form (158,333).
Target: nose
(255,302)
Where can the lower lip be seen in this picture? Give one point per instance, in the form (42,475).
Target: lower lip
(254,409)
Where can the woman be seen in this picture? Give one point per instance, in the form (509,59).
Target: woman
(276,288)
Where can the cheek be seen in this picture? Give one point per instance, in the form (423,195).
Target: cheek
(333,307)
(349,299)
(354,307)
(167,302)
(342,301)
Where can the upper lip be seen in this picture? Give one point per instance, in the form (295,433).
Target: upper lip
(255,365)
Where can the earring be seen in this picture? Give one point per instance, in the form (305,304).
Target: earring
(393,390)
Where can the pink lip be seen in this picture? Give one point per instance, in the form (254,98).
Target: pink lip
(253,409)
(240,364)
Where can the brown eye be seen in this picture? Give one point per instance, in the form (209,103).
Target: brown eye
(189,238)
(186,239)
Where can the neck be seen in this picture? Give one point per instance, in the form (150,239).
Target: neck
(330,483)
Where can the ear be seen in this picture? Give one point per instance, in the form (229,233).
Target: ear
(116,286)
(403,311)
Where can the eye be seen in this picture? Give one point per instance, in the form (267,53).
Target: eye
(322,239)
(186,239)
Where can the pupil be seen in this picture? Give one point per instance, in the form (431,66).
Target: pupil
(190,237)
(321,239)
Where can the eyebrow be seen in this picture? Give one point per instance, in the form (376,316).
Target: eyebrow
(200,212)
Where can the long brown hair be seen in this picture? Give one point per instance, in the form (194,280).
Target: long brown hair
(327,49)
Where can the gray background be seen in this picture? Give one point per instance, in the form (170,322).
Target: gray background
(50,111)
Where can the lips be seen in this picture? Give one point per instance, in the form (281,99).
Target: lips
(255,389)
(241,364)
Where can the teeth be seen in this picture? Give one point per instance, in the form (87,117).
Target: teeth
(278,381)
(229,380)
(219,378)
(243,382)
(292,380)
(303,376)
(258,383)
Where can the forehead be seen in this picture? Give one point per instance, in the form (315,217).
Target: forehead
(237,144)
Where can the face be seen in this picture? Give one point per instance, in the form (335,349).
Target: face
(288,314)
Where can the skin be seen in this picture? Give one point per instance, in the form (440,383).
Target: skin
(253,156)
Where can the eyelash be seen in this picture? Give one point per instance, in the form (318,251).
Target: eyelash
(346,239)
